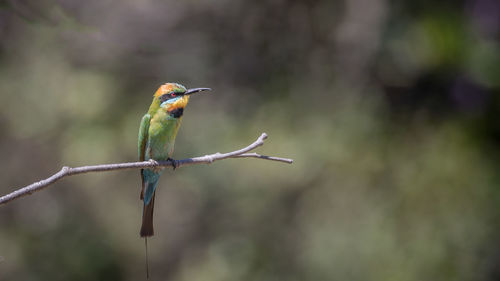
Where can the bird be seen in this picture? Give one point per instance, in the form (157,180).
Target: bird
(157,133)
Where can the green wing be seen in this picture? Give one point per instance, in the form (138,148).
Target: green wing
(141,144)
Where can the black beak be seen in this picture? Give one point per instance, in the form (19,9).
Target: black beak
(196,90)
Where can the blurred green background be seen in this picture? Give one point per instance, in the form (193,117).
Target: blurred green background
(389,108)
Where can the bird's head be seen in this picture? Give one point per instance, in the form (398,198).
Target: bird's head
(174,97)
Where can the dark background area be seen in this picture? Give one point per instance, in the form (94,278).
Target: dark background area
(389,109)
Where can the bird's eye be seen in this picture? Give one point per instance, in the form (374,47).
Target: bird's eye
(168,96)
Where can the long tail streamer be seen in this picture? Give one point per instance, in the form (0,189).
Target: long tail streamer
(147,264)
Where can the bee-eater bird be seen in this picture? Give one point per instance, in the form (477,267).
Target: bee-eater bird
(157,134)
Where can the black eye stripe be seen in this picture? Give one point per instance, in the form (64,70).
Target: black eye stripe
(165,97)
(172,95)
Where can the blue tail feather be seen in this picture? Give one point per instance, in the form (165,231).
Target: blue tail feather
(151,179)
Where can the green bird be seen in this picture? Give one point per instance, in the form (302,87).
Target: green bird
(156,141)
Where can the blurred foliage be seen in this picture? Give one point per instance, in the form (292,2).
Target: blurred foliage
(389,108)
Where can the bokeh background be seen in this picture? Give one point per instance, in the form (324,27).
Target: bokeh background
(389,108)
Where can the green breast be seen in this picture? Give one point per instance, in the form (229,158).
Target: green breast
(162,132)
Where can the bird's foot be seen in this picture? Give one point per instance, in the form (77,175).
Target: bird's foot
(174,162)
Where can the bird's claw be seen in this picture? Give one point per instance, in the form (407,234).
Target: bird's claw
(174,162)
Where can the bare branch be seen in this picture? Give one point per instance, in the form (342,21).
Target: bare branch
(207,159)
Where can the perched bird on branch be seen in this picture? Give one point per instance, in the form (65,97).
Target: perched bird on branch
(156,141)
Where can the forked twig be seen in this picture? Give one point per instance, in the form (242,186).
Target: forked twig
(207,159)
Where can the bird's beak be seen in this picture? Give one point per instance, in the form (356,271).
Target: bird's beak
(196,90)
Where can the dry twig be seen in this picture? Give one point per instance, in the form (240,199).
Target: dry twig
(207,159)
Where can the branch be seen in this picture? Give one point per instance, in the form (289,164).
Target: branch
(207,159)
